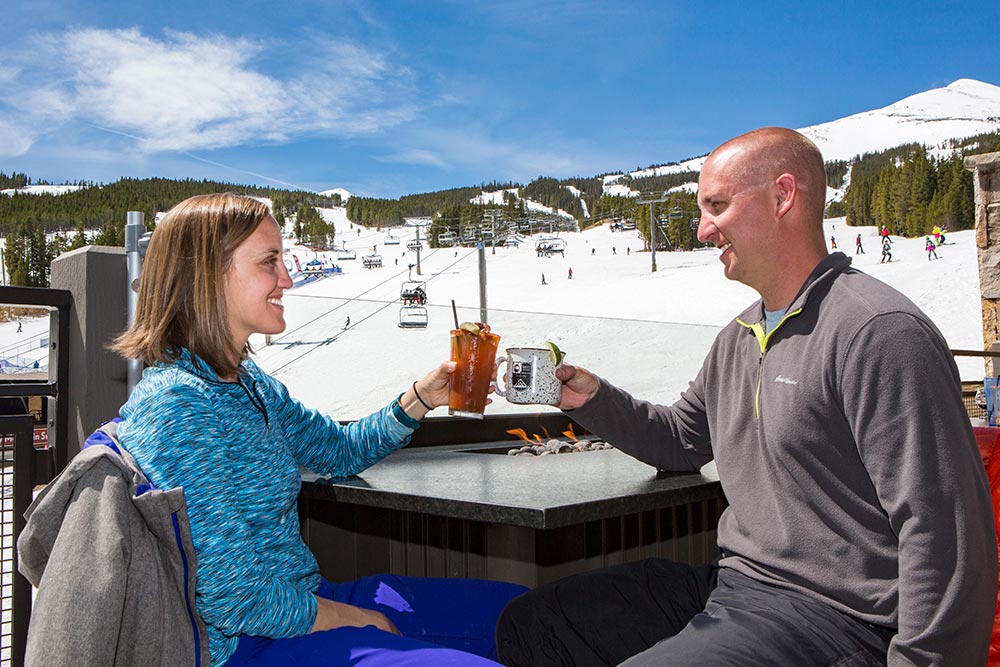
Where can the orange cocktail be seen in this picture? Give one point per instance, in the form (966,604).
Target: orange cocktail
(475,349)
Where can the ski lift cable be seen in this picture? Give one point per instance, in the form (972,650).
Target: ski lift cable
(388,304)
(348,300)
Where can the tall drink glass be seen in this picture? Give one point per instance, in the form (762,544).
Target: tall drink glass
(470,383)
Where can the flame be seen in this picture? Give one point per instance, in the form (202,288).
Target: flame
(523,435)
(520,433)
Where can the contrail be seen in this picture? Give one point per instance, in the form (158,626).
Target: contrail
(205,160)
(252,173)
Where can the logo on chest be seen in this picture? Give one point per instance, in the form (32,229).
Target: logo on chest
(781,379)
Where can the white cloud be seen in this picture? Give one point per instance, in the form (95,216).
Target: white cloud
(416,156)
(14,139)
(187,92)
(474,147)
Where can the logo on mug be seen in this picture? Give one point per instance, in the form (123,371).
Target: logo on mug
(530,377)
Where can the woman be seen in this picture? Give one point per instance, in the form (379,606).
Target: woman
(207,419)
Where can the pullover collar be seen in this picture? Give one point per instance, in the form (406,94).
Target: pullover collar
(831,266)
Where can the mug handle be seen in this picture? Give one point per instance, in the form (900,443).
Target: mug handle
(496,389)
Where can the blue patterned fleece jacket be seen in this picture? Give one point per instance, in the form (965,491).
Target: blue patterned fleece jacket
(235,449)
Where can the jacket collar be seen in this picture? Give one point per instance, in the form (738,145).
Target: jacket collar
(190,362)
(830,267)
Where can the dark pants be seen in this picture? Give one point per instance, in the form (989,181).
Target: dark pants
(658,612)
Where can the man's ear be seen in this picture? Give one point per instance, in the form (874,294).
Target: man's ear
(787,191)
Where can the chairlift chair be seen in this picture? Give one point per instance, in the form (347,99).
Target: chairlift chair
(412,317)
(390,239)
(413,292)
(344,253)
(413,245)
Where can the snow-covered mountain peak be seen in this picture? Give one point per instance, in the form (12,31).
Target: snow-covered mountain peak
(344,194)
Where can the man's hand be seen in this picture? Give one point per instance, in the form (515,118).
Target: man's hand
(578,386)
(331,614)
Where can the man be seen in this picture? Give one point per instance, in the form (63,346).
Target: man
(859,529)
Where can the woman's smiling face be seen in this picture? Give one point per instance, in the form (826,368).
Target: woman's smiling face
(254,284)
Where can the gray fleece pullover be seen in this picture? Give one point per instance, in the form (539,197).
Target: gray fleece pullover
(114,565)
(847,457)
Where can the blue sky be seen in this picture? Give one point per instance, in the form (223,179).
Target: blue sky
(394,98)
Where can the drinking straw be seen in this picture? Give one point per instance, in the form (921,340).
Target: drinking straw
(454,311)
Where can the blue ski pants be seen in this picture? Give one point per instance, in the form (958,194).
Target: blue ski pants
(442,621)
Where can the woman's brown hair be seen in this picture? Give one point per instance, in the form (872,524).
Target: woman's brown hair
(182,301)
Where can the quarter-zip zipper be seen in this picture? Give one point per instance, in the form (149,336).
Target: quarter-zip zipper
(762,340)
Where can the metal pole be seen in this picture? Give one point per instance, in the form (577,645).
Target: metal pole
(653,199)
(652,237)
(483,314)
(134,229)
(418,251)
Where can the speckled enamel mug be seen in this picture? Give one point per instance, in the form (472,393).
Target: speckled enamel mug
(530,377)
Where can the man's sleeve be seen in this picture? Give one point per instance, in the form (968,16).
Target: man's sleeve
(667,437)
(903,401)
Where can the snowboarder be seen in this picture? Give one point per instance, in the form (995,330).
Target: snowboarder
(931,249)
(858,248)
(886,249)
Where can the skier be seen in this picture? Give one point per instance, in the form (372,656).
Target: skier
(886,249)
(931,249)
(614,251)
(884,233)
(543,280)
(347,322)
(833,243)
(628,251)
(592,251)
(858,248)
(570,276)
(20,328)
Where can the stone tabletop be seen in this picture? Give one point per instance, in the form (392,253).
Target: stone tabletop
(534,492)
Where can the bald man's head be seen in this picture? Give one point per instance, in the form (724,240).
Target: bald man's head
(762,155)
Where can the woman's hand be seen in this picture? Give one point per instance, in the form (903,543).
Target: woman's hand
(331,614)
(433,391)
(578,386)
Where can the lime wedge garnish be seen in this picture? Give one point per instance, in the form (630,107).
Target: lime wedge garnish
(555,354)
(472,327)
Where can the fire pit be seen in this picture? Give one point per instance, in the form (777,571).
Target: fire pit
(556,446)
(537,445)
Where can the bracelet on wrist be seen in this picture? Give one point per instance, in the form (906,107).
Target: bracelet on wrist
(417,394)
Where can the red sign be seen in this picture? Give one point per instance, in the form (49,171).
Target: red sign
(40,438)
